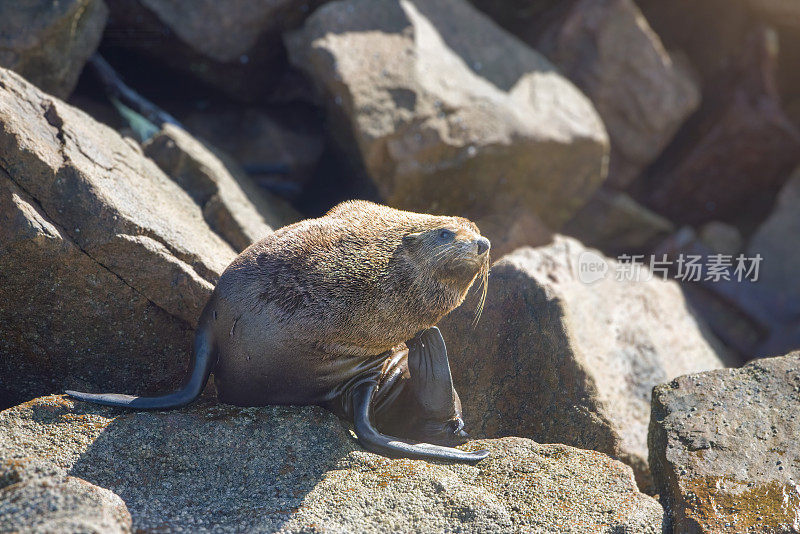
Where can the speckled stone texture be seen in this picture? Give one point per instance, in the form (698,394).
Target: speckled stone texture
(215,467)
(38,497)
(724,448)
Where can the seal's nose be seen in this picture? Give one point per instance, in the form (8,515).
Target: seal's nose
(483,245)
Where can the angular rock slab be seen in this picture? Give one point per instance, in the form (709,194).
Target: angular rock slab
(233,46)
(776,241)
(105,263)
(561,360)
(233,206)
(451,114)
(295,469)
(39,497)
(48,42)
(737,152)
(610,52)
(724,449)
(616,224)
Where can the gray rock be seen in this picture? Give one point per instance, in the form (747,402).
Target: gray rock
(778,12)
(258,139)
(105,263)
(233,206)
(215,467)
(38,497)
(222,32)
(706,174)
(233,46)
(558,359)
(775,240)
(724,449)
(721,238)
(643,96)
(49,42)
(711,38)
(524,18)
(617,224)
(451,114)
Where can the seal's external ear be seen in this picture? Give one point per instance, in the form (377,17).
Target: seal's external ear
(374,441)
(411,239)
(431,382)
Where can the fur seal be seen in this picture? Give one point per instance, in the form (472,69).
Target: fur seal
(339,311)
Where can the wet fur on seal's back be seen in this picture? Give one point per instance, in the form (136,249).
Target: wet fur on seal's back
(357,281)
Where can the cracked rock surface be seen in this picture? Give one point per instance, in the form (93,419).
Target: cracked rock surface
(212,467)
(233,205)
(105,263)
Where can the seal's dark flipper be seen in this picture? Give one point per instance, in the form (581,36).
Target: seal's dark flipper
(431,382)
(201,369)
(374,441)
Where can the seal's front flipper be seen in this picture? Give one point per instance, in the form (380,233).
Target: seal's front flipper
(431,381)
(374,441)
(430,385)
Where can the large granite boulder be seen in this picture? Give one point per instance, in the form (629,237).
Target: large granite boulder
(234,46)
(565,352)
(233,206)
(105,263)
(216,467)
(49,42)
(448,113)
(36,496)
(724,449)
(643,96)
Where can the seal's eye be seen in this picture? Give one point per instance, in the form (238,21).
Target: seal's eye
(446,235)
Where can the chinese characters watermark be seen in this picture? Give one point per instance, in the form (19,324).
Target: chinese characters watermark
(684,267)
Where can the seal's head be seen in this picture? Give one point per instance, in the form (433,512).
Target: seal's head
(430,261)
(451,251)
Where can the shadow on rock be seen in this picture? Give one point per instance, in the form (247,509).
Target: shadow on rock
(204,467)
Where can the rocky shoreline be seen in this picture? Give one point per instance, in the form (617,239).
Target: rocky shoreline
(582,133)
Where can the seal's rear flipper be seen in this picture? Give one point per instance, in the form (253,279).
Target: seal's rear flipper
(374,441)
(201,369)
(173,400)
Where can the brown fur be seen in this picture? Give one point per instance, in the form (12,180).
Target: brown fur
(312,314)
(358,281)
